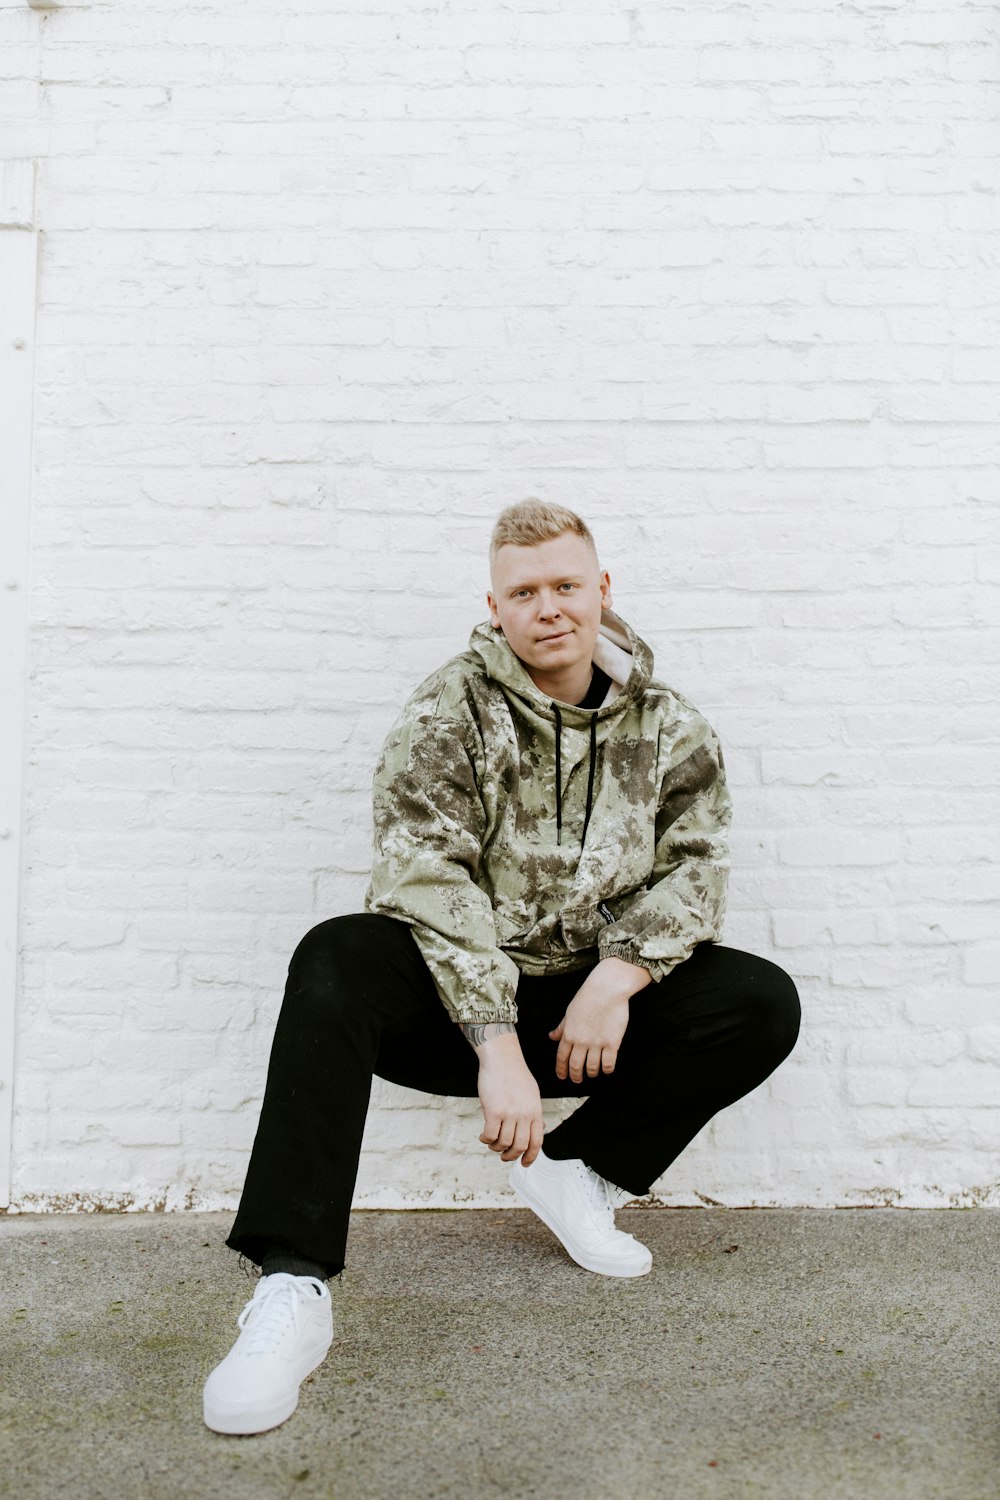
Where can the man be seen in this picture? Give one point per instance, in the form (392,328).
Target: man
(547,892)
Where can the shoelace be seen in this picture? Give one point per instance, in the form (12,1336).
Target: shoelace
(599,1192)
(270,1314)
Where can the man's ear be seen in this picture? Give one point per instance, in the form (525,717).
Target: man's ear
(491,605)
(605,591)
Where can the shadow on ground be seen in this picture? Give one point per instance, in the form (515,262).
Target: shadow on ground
(780,1354)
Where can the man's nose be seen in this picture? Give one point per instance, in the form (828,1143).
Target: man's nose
(548,605)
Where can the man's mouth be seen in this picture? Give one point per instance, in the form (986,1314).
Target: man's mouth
(558,636)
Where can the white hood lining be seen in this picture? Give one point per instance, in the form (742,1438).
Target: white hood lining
(613,654)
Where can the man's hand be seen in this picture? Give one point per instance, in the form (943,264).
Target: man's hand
(508,1093)
(591,1031)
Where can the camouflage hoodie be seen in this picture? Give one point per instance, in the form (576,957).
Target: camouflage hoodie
(518,835)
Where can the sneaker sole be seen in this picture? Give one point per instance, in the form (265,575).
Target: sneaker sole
(582,1258)
(245,1423)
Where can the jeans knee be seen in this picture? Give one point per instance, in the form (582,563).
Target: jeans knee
(776,1010)
(341,952)
(322,957)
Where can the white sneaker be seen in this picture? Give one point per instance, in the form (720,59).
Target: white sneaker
(579,1208)
(286,1329)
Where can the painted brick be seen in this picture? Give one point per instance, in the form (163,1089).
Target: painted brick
(981,962)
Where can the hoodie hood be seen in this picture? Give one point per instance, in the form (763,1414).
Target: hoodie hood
(618,652)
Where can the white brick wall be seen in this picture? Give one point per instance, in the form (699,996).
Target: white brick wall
(322,285)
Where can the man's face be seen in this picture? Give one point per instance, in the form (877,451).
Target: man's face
(548,602)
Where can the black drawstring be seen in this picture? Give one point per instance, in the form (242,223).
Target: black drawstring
(591,770)
(558,774)
(590,777)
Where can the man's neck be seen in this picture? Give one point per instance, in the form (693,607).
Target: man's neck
(569,687)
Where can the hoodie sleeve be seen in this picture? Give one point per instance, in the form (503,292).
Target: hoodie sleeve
(429,824)
(684,903)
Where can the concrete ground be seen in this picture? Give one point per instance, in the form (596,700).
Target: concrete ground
(778,1354)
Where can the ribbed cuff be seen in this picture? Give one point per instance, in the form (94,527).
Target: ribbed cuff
(483,1015)
(657,969)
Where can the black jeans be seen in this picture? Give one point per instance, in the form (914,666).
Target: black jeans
(360,1001)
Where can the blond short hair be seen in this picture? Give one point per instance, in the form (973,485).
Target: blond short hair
(528,522)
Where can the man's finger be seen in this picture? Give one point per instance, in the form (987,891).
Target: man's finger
(556,1034)
(576,1061)
(562,1058)
(535,1144)
(593,1062)
(522,1136)
(491,1129)
(608,1059)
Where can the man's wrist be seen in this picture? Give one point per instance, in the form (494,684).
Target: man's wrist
(495,1037)
(625,977)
